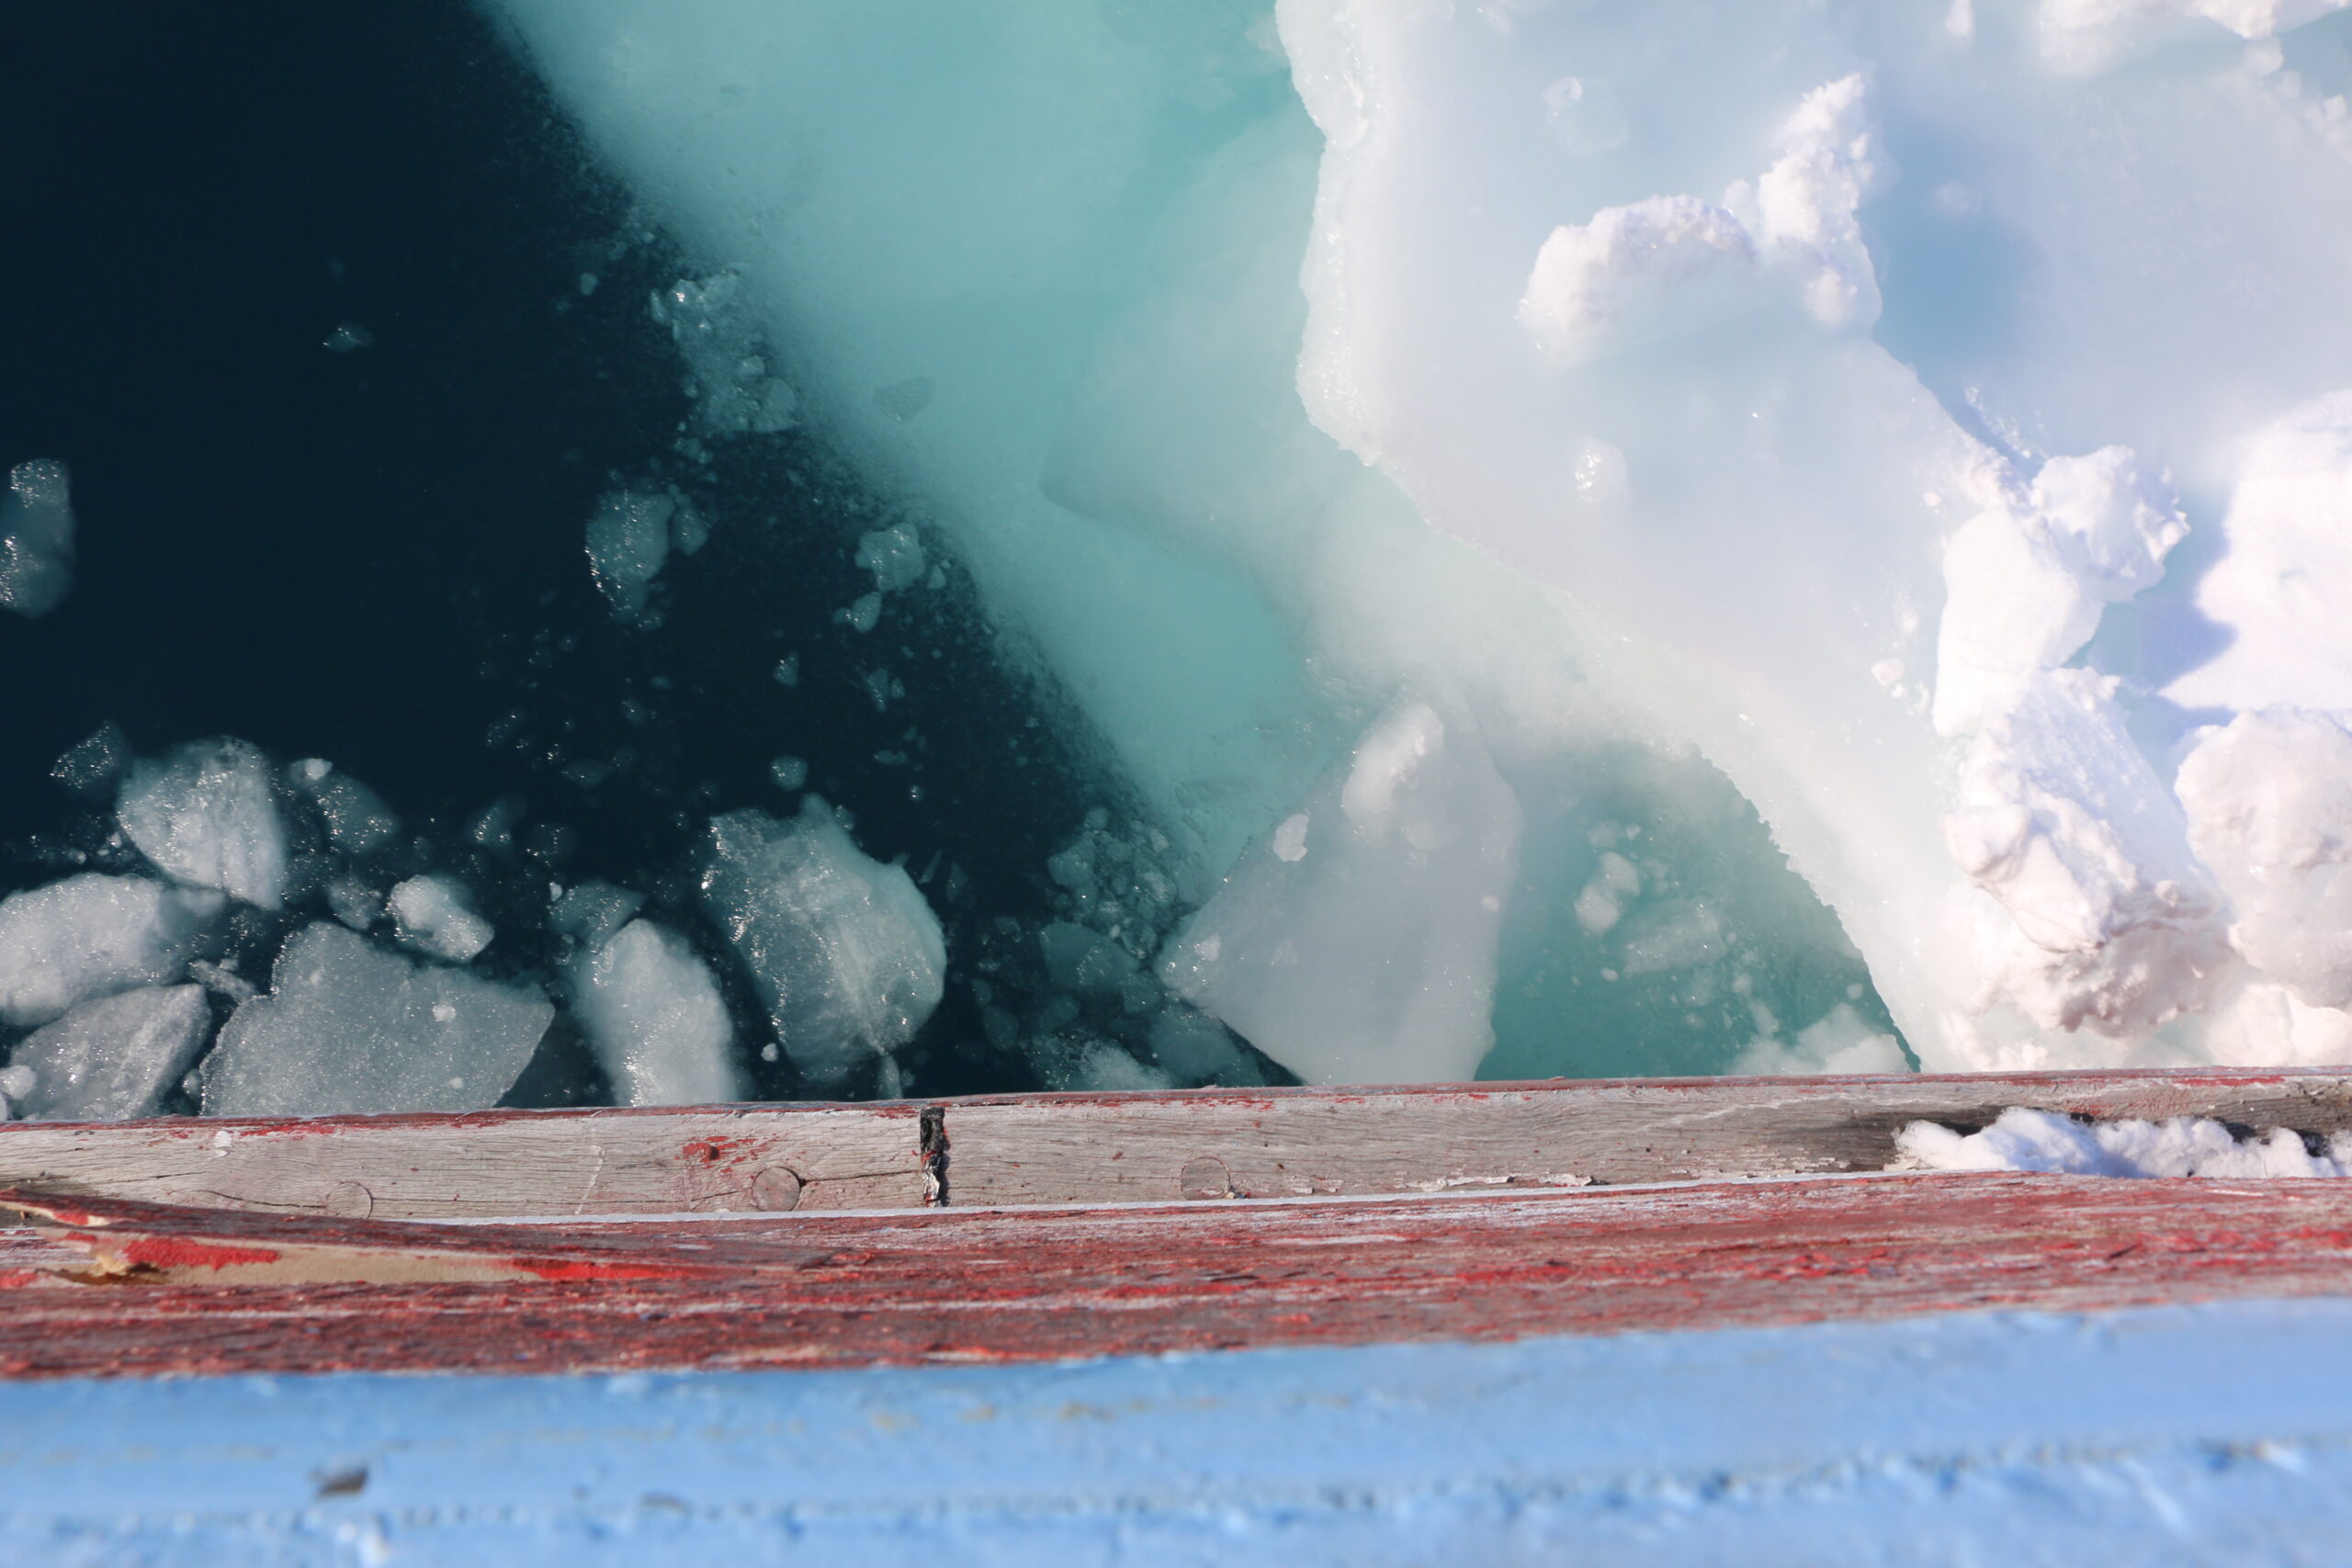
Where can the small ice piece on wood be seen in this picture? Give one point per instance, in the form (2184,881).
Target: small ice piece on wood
(206,814)
(843,949)
(92,935)
(94,764)
(435,915)
(1373,959)
(650,1006)
(36,539)
(113,1058)
(2022,1139)
(349,1026)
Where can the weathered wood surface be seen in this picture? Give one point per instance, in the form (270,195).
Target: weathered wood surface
(939,1285)
(1097,1148)
(760,1158)
(1216,1143)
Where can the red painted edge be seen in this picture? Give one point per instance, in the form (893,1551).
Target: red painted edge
(950,1286)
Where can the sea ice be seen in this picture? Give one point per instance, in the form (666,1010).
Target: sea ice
(347,1026)
(36,539)
(652,1009)
(206,814)
(435,915)
(1818,399)
(94,934)
(843,951)
(113,1058)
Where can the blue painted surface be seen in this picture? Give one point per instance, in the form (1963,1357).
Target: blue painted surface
(2211,1435)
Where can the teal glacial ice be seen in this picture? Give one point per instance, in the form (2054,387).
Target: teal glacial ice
(1679,538)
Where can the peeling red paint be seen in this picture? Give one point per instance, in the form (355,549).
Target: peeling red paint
(939,1285)
(176,1252)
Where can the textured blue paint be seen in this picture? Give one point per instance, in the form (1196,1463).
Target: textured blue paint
(2208,1434)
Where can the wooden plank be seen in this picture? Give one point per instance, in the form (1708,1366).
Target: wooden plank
(1264,1144)
(943,1285)
(763,1158)
(1097,1148)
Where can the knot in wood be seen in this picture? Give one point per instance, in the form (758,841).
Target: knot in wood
(1206,1177)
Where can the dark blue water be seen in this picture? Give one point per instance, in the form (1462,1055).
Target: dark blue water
(374,556)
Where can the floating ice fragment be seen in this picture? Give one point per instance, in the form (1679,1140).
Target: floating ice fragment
(652,1009)
(348,338)
(94,764)
(113,1058)
(1290,838)
(843,949)
(206,814)
(36,539)
(629,543)
(349,1026)
(357,820)
(1084,962)
(789,772)
(894,555)
(1839,1042)
(435,915)
(1371,960)
(94,934)
(727,368)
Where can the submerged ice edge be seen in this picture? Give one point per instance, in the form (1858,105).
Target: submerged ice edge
(1849,406)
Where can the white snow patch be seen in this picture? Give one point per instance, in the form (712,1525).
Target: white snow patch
(2185,1146)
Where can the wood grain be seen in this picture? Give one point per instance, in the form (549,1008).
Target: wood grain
(1216,1143)
(1097,1148)
(492,1163)
(940,1285)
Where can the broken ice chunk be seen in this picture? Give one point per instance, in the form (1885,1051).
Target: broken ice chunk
(92,766)
(113,1058)
(843,951)
(729,380)
(353,903)
(789,772)
(36,539)
(1084,961)
(435,915)
(358,822)
(650,1006)
(92,935)
(206,814)
(894,555)
(347,1026)
(593,911)
(629,543)
(1371,960)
